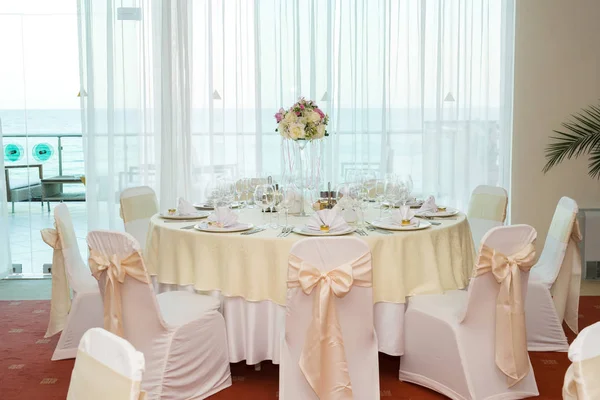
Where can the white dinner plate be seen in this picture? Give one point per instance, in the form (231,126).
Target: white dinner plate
(450,212)
(203,207)
(239,227)
(309,232)
(387,224)
(209,207)
(198,215)
(411,204)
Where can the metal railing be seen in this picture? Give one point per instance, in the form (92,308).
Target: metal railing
(59,137)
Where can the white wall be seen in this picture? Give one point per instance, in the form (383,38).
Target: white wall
(557,72)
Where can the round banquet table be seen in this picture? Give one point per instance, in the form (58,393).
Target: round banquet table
(250,273)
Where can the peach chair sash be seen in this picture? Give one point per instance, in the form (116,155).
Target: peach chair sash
(116,269)
(323,359)
(581,380)
(138,207)
(511,338)
(565,291)
(60,303)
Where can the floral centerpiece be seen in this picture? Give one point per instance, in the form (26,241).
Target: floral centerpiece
(301,126)
(302,121)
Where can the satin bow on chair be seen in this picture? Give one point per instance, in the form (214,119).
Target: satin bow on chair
(511,337)
(116,269)
(60,304)
(323,359)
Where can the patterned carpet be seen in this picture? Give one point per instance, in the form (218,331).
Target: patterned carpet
(28,374)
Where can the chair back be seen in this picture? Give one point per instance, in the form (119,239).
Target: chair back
(581,379)
(138,205)
(78,274)
(140,314)
(487,209)
(488,331)
(555,247)
(106,367)
(354,311)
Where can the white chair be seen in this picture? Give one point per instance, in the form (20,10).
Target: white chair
(555,283)
(106,367)
(181,334)
(339,270)
(581,380)
(487,210)
(453,340)
(138,205)
(69,271)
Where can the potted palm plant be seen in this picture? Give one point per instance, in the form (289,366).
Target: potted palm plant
(580,136)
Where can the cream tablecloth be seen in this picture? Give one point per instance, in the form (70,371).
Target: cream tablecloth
(250,271)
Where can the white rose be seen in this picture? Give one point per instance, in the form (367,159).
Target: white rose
(320,130)
(290,117)
(314,117)
(282,127)
(296,131)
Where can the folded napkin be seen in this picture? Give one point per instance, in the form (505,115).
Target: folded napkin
(428,206)
(184,207)
(403,213)
(223,217)
(327,217)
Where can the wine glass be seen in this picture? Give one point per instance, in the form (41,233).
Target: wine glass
(391,193)
(264,196)
(241,191)
(380,194)
(406,184)
(287,198)
(227,189)
(212,193)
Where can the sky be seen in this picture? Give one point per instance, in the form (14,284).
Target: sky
(39,57)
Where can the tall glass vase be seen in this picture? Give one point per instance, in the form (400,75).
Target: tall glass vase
(303,169)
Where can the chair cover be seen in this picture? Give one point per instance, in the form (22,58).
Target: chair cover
(472,344)
(487,209)
(181,334)
(106,367)
(329,350)
(553,294)
(138,205)
(581,379)
(72,317)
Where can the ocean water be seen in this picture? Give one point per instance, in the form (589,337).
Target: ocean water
(358,138)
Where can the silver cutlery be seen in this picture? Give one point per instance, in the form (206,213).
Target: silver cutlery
(375,229)
(285,232)
(362,232)
(177,221)
(252,231)
(188,227)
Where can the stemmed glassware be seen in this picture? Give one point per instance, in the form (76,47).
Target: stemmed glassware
(264,196)
(212,193)
(287,196)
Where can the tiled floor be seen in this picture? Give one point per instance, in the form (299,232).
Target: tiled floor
(26,244)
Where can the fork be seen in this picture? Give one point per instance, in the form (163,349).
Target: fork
(289,230)
(283,231)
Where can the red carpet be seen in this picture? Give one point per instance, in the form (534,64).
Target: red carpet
(28,374)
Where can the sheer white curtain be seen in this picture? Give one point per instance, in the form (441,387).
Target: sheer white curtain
(136,91)
(419,87)
(5,259)
(181,91)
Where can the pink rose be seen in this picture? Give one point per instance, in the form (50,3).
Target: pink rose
(321,113)
(279,117)
(302,106)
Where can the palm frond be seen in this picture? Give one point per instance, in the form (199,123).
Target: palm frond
(580,136)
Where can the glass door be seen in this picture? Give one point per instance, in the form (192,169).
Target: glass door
(40,122)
